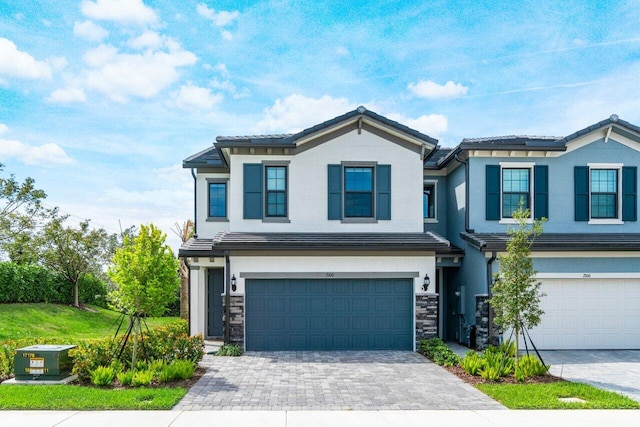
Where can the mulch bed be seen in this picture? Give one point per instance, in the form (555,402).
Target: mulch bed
(470,379)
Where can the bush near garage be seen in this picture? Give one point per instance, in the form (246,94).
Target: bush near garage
(440,353)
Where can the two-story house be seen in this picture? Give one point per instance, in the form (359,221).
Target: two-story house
(320,240)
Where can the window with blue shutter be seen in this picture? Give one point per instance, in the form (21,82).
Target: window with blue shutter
(581,192)
(335,192)
(629,193)
(492,192)
(383,192)
(252,194)
(541,195)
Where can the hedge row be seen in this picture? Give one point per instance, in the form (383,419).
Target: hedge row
(30,283)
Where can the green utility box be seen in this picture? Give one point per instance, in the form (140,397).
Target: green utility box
(43,362)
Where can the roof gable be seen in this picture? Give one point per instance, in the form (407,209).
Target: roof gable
(358,119)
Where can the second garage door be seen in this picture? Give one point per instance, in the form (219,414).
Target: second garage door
(589,314)
(332,314)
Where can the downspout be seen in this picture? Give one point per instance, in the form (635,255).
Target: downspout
(189,296)
(490,261)
(466,193)
(227,299)
(195,204)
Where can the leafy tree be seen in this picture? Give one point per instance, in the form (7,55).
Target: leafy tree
(73,252)
(20,210)
(145,272)
(146,276)
(516,294)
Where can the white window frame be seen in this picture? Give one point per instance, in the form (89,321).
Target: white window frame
(434,183)
(607,221)
(519,165)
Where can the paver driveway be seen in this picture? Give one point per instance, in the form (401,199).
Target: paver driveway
(367,380)
(614,370)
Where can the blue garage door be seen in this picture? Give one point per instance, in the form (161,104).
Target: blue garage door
(335,314)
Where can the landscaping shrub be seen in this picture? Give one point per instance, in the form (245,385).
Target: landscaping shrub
(183,369)
(436,350)
(529,366)
(162,344)
(125,378)
(229,350)
(472,363)
(142,378)
(103,375)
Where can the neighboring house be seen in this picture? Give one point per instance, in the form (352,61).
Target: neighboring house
(324,243)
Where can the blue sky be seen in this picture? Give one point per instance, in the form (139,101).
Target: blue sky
(101,100)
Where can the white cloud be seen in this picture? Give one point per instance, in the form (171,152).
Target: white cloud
(227,86)
(432,124)
(32,154)
(147,40)
(89,31)
(195,97)
(15,63)
(226,35)
(126,12)
(431,90)
(297,112)
(222,68)
(3,128)
(65,96)
(219,19)
(123,75)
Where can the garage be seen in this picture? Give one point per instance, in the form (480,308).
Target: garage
(329,314)
(589,313)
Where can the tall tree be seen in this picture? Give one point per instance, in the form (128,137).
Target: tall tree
(73,252)
(20,210)
(184,232)
(146,276)
(516,293)
(145,272)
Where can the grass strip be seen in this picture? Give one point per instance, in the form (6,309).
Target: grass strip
(546,396)
(67,397)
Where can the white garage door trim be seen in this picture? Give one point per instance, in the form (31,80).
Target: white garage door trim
(589,313)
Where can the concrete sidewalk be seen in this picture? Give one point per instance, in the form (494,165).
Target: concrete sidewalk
(498,418)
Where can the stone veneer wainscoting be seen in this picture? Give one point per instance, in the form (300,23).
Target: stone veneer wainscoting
(237,318)
(426,316)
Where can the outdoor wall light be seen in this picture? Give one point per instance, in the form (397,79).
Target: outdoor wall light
(426,283)
(233,283)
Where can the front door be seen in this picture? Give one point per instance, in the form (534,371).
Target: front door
(215,288)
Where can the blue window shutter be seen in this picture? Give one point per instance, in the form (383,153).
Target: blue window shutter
(493,192)
(383,192)
(252,198)
(541,196)
(629,193)
(335,192)
(581,186)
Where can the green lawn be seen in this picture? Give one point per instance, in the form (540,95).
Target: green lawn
(60,321)
(69,397)
(545,396)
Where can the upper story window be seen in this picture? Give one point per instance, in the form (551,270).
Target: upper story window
(217,193)
(265,191)
(276,191)
(358,192)
(429,201)
(516,187)
(510,182)
(604,193)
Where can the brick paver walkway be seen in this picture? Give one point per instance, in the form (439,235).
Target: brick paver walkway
(367,380)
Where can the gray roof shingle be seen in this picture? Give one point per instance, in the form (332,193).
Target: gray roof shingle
(374,242)
(208,158)
(488,242)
